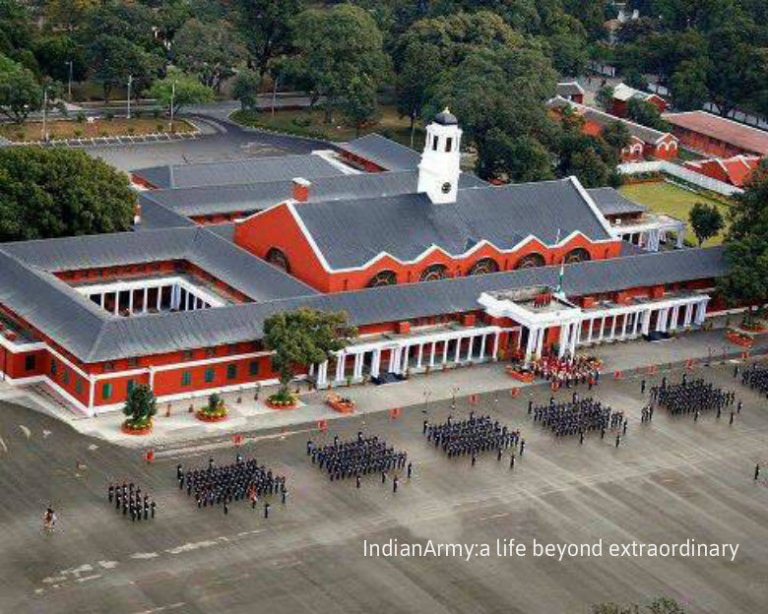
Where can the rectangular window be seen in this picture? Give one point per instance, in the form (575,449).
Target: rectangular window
(188,355)
(434,144)
(30,362)
(65,376)
(186,378)
(106,391)
(79,386)
(109,366)
(54,367)
(448,144)
(209,375)
(231,371)
(253,367)
(131,385)
(133,362)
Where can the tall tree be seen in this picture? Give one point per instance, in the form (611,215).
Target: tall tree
(140,406)
(178,90)
(47,193)
(113,58)
(211,51)
(689,85)
(646,114)
(706,221)
(302,338)
(246,88)
(339,50)
(20,93)
(266,28)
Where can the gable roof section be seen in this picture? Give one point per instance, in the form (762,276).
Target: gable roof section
(736,169)
(726,130)
(611,202)
(251,170)
(351,233)
(383,152)
(569,88)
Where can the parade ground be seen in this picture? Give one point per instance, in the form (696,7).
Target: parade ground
(670,481)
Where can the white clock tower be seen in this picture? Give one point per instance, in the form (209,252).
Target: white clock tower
(439,168)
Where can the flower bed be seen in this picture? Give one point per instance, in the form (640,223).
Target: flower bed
(340,404)
(739,339)
(521,376)
(136,428)
(206,415)
(282,400)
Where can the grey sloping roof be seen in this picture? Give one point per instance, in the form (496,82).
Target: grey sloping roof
(50,305)
(352,232)
(569,88)
(125,337)
(612,202)
(154,215)
(383,152)
(645,134)
(208,200)
(251,170)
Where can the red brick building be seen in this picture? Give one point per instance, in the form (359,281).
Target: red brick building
(736,170)
(622,94)
(717,136)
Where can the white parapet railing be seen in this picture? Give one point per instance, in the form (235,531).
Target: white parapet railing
(675,170)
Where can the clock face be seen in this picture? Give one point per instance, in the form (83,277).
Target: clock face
(446,187)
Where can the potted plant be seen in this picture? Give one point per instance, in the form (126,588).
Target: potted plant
(214,411)
(140,406)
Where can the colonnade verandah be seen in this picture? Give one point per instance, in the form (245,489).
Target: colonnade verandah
(414,354)
(619,323)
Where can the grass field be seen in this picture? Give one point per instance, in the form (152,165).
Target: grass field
(70,129)
(305,122)
(672,200)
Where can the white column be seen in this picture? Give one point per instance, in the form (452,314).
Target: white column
(688,315)
(405,358)
(117,302)
(340,360)
(375,363)
(445,351)
(680,236)
(432,354)
(701,313)
(420,356)
(322,374)
(496,346)
(393,353)
(189,300)
(101,299)
(482,347)
(458,350)
(130,302)
(531,345)
(613,327)
(591,326)
(540,344)
(659,320)
(470,348)
(358,372)
(563,341)
(575,334)
(647,321)
(624,325)
(146,298)
(602,330)
(159,297)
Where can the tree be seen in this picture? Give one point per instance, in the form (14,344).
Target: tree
(209,50)
(69,14)
(689,85)
(140,406)
(747,243)
(504,158)
(359,103)
(302,338)
(47,193)
(617,136)
(604,97)
(339,51)
(20,93)
(246,88)
(53,55)
(180,90)
(266,28)
(645,114)
(112,59)
(706,221)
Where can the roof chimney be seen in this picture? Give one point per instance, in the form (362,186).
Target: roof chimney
(136,214)
(301,189)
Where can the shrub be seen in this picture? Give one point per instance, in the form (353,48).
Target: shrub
(156,113)
(109,115)
(160,127)
(131,129)
(78,133)
(80,117)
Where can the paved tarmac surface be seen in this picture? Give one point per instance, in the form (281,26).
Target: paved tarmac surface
(669,481)
(221,140)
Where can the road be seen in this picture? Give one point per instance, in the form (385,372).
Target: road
(669,481)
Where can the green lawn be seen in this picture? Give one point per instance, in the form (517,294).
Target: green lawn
(311,124)
(667,198)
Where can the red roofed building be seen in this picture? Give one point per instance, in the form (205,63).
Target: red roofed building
(717,136)
(622,94)
(735,171)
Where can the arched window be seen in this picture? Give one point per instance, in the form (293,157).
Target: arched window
(383,278)
(530,261)
(434,272)
(484,266)
(577,255)
(277,258)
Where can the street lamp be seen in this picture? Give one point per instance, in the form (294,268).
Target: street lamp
(45,112)
(69,82)
(173,97)
(455,391)
(130,82)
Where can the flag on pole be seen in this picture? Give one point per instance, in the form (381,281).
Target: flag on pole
(560,276)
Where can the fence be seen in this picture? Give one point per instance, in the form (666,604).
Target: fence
(680,172)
